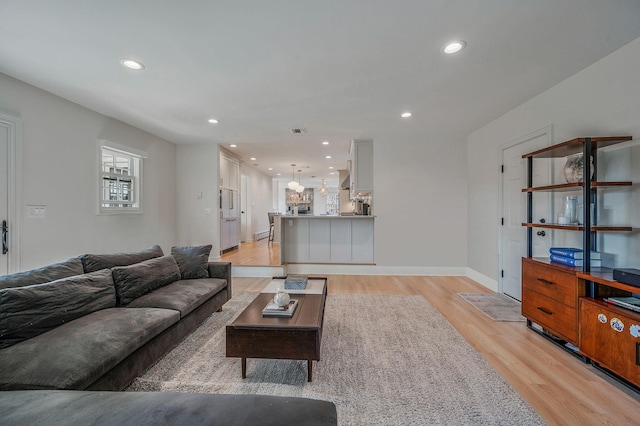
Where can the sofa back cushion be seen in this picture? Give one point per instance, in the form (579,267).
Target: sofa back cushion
(96,262)
(68,268)
(192,261)
(28,311)
(136,280)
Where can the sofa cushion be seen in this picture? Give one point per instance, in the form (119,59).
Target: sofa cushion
(76,354)
(136,280)
(28,311)
(161,408)
(183,296)
(95,262)
(68,268)
(193,261)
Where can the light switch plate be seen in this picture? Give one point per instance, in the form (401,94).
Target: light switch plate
(36,212)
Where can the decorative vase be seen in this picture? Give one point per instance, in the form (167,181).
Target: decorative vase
(295,210)
(281,298)
(574,168)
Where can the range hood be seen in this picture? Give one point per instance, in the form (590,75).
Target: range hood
(343,177)
(345,183)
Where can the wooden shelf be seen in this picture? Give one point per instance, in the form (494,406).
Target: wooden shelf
(605,277)
(576,186)
(575,146)
(594,228)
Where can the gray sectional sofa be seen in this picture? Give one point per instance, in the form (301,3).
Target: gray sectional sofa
(96,322)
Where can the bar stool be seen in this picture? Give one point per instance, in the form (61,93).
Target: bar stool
(271,226)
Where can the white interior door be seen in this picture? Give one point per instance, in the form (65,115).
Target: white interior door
(245,225)
(514,209)
(4,199)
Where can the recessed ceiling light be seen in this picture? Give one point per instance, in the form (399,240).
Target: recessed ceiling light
(406,114)
(325,143)
(233,145)
(332,173)
(330,167)
(270,168)
(213,121)
(328,157)
(131,64)
(454,47)
(252,158)
(278,174)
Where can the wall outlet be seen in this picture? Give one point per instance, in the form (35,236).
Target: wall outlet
(207,211)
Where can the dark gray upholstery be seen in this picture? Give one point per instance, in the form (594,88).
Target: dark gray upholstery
(183,296)
(193,261)
(68,268)
(139,279)
(107,349)
(160,408)
(28,311)
(76,354)
(95,262)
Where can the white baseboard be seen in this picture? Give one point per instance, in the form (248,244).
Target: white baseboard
(489,283)
(260,235)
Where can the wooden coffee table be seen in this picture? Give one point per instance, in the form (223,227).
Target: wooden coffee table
(253,336)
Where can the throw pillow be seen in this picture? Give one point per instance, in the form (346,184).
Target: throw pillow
(28,311)
(193,261)
(137,280)
(68,268)
(95,262)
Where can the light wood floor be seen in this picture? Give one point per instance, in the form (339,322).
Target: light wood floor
(562,389)
(259,253)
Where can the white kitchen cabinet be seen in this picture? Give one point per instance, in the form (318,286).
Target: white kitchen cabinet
(327,239)
(361,170)
(229,233)
(229,173)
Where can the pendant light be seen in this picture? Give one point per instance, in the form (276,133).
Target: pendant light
(324,191)
(293,185)
(300,188)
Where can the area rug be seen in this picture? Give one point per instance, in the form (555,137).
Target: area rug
(385,360)
(496,306)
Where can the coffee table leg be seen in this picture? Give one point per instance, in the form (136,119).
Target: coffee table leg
(309,370)
(244,368)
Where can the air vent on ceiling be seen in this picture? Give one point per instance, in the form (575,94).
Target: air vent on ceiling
(298,130)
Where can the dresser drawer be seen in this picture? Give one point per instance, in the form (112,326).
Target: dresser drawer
(557,317)
(558,285)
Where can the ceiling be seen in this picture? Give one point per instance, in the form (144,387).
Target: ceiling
(341,70)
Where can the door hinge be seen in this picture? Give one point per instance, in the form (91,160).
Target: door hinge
(502,168)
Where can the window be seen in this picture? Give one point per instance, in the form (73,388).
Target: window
(120,179)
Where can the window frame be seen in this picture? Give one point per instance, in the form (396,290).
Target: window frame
(136,159)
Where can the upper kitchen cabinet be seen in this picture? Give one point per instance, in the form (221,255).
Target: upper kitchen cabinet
(361,173)
(229,173)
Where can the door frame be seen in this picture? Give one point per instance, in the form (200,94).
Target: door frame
(545,131)
(13,124)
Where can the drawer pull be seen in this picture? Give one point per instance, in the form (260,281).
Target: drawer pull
(543,281)
(546,311)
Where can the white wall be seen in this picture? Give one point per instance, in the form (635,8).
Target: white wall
(601,100)
(59,171)
(420,202)
(198,196)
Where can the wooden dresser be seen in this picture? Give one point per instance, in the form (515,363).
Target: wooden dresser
(550,295)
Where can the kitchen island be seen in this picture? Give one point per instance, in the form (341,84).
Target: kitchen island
(326,239)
